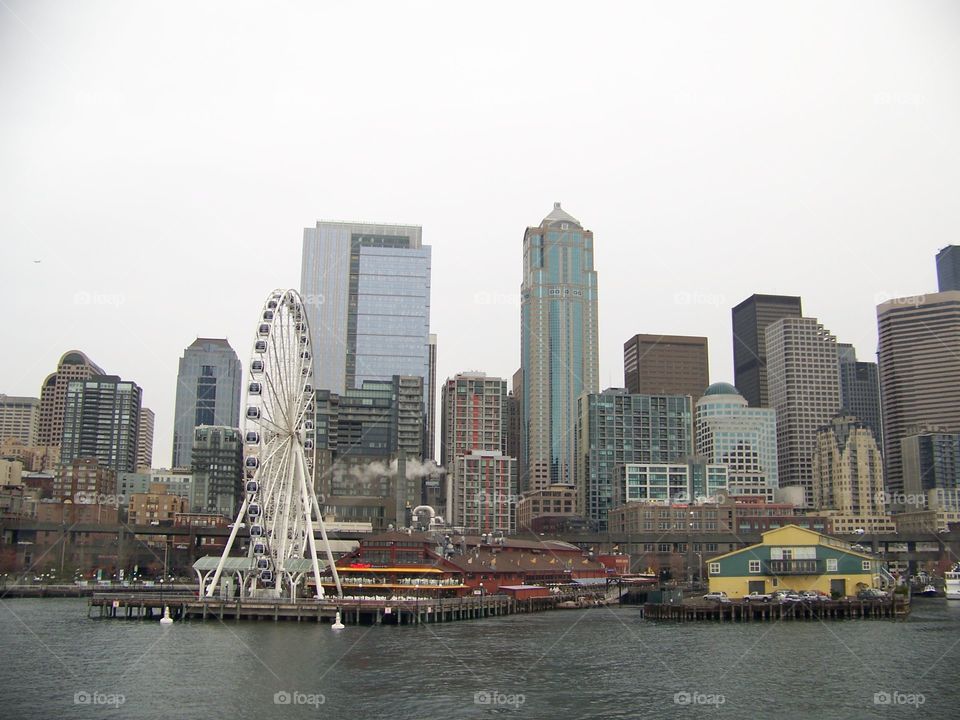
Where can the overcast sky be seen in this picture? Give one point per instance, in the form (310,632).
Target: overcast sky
(161,160)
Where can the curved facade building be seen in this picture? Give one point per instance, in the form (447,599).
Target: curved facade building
(731,432)
(74,365)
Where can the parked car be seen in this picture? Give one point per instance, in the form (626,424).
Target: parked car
(717,597)
(871,594)
(787,596)
(757,597)
(814,596)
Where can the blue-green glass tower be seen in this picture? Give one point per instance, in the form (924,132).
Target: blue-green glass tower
(559,353)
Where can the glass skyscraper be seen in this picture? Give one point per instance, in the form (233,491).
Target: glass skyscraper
(101,419)
(750,321)
(615,428)
(367,292)
(948,268)
(558,345)
(860,390)
(208,393)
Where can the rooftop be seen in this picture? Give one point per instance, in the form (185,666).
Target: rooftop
(559,215)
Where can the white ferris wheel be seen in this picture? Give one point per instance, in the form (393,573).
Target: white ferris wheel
(279,505)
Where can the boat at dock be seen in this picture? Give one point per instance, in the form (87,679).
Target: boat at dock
(952,582)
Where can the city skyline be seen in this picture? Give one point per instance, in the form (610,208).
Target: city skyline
(900,105)
(527,339)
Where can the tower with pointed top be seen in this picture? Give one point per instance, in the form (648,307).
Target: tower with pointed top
(559,348)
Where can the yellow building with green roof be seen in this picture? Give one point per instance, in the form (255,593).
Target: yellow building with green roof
(794,558)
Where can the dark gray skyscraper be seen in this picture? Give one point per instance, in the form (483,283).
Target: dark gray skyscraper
(860,390)
(208,393)
(948,268)
(750,321)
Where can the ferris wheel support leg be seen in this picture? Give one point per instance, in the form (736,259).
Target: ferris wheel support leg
(305,503)
(326,543)
(226,550)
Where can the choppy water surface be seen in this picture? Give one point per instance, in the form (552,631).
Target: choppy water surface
(601,663)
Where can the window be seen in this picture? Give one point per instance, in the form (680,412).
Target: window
(714,568)
(754,566)
(865,565)
(831,564)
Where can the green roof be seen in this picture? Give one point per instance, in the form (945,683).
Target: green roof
(721,388)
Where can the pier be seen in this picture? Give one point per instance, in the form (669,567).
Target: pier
(353,611)
(895,609)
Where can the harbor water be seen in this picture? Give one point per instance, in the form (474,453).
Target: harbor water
(597,663)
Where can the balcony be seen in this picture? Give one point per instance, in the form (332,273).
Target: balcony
(794,567)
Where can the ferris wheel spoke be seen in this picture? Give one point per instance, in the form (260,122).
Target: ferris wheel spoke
(280,389)
(274,400)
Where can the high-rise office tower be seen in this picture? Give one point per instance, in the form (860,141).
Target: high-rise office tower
(803,378)
(750,320)
(848,468)
(948,268)
(484,496)
(74,365)
(472,415)
(666,365)
(145,440)
(931,471)
(860,390)
(217,468)
(367,292)
(615,428)
(101,419)
(473,419)
(19,419)
(559,352)
(919,354)
(208,393)
(743,438)
(382,419)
